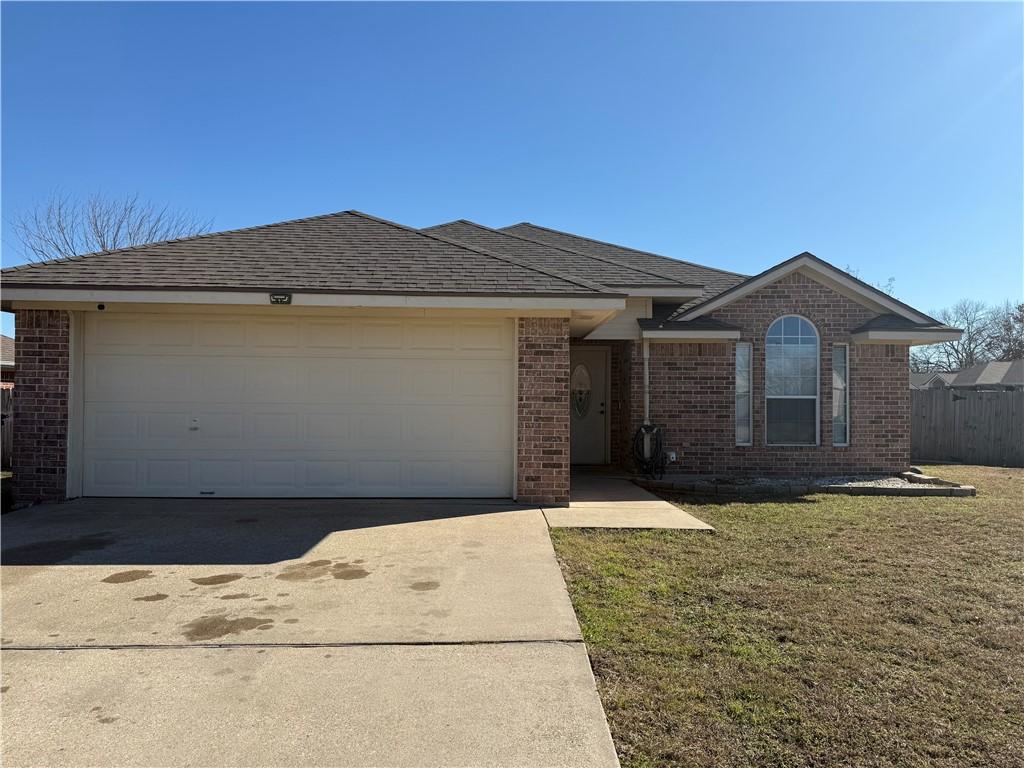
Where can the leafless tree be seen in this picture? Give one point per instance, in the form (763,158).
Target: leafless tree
(1007,332)
(65,226)
(975,318)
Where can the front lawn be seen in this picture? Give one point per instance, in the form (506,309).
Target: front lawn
(823,631)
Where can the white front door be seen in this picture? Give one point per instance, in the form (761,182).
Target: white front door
(258,405)
(588,405)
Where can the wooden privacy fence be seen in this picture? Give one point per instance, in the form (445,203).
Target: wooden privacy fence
(968,426)
(7,430)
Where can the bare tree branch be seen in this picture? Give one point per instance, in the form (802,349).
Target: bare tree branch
(64,226)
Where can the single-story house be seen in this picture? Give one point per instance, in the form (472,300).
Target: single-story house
(6,362)
(931,379)
(345,355)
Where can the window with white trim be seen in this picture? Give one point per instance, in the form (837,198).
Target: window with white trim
(840,394)
(744,427)
(791,382)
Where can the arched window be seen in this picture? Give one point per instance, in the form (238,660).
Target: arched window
(791,382)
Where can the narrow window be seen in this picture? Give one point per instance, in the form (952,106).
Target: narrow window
(744,430)
(791,382)
(840,394)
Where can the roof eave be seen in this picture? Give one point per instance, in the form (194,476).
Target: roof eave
(260,296)
(914,337)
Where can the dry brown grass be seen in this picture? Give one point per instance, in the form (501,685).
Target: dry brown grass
(824,631)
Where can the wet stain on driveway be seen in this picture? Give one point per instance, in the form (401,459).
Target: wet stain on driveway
(318,569)
(220,578)
(151,598)
(424,586)
(212,627)
(124,577)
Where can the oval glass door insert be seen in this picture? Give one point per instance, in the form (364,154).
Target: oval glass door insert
(580,387)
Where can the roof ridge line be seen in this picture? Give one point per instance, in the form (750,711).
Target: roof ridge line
(604,259)
(201,235)
(598,287)
(627,248)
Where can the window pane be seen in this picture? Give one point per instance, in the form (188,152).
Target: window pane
(792,421)
(791,326)
(743,429)
(840,379)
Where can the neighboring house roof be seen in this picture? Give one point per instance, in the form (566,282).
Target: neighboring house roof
(995,374)
(347,252)
(929,379)
(6,351)
(601,269)
(714,280)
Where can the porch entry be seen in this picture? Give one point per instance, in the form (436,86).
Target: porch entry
(588,405)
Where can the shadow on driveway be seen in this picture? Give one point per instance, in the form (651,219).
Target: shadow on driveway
(207,531)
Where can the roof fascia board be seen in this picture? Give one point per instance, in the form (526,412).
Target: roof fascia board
(833,277)
(691,335)
(682,292)
(299,299)
(914,337)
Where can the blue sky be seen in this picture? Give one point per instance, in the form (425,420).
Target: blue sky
(883,136)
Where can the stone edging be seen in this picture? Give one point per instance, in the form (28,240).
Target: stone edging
(799,489)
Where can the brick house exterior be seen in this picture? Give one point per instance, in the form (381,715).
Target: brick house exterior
(693,391)
(556,290)
(542,397)
(40,405)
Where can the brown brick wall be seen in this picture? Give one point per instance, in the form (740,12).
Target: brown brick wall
(693,389)
(542,467)
(40,405)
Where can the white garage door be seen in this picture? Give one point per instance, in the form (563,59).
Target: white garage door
(225,405)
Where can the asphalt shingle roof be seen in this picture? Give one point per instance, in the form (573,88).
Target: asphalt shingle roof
(715,281)
(1008,373)
(600,269)
(891,322)
(347,252)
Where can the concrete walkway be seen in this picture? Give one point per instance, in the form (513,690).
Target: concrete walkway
(291,633)
(606,501)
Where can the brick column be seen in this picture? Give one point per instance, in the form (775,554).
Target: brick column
(40,405)
(542,463)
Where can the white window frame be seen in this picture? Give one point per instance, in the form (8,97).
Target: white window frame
(750,392)
(846,394)
(817,395)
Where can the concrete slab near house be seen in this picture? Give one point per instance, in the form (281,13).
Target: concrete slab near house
(606,501)
(290,632)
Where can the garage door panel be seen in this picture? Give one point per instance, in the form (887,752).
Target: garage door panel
(243,406)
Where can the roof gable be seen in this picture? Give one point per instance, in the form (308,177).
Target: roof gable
(346,252)
(823,272)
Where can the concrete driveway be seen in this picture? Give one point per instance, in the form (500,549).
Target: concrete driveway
(286,633)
